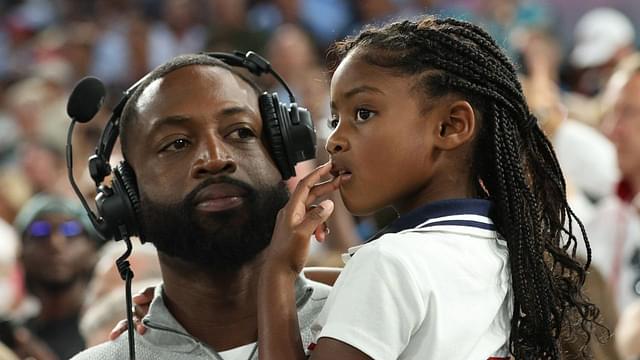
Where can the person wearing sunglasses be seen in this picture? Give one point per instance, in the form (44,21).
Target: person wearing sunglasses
(59,249)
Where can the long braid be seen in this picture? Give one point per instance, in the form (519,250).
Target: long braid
(515,165)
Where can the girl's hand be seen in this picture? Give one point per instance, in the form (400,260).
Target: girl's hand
(298,220)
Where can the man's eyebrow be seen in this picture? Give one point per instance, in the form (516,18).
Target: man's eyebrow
(168,121)
(181,119)
(235,110)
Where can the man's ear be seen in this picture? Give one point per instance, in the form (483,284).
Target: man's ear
(457,125)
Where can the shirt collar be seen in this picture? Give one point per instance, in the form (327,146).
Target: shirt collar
(170,334)
(444,210)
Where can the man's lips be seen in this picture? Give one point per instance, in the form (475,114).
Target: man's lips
(219,197)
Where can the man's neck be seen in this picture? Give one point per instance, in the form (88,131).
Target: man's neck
(218,308)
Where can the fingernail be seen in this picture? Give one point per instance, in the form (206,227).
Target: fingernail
(327,231)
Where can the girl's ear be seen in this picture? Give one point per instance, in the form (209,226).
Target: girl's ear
(457,126)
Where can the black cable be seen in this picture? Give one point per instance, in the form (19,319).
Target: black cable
(124,268)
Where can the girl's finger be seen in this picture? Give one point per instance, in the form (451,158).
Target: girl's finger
(322,189)
(120,327)
(321,232)
(307,183)
(314,218)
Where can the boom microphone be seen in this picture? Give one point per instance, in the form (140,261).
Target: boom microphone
(86,99)
(84,103)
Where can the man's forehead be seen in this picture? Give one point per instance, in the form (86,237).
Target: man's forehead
(189,81)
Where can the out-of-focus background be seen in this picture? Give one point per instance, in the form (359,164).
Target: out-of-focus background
(579,70)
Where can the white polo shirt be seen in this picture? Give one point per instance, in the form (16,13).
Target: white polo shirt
(437,287)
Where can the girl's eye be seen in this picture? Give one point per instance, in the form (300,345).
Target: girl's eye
(364,115)
(176,145)
(242,134)
(333,122)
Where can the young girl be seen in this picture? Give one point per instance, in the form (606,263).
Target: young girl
(429,118)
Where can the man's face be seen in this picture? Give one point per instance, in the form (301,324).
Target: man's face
(56,252)
(624,122)
(209,189)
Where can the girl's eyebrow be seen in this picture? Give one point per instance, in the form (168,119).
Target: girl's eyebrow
(361,89)
(358,90)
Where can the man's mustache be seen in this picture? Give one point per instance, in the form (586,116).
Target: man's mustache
(251,192)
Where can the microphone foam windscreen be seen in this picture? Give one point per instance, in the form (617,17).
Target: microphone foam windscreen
(86,99)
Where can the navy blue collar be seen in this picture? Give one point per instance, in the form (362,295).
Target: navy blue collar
(439,209)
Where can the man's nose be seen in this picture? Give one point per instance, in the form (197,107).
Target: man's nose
(213,158)
(57,241)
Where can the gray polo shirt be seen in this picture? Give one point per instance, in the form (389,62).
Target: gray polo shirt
(165,338)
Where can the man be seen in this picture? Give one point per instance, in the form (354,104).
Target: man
(210,194)
(59,250)
(615,227)
(602,38)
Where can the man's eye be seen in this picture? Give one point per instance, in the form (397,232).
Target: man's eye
(176,145)
(243,133)
(364,115)
(333,122)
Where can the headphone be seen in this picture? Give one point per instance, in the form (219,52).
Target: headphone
(289,133)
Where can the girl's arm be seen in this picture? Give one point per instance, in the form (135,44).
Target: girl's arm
(278,329)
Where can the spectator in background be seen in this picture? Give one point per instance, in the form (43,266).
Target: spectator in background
(293,55)
(229,31)
(586,156)
(602,38)
(58,253)
(325,20)
(120,49)
(615,227)
(177,32)
(9,282)
(628,332)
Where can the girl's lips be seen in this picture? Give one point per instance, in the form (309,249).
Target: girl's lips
(338,171)
(345,177)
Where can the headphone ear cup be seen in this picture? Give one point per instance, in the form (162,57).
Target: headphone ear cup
(275,138)
(125,184)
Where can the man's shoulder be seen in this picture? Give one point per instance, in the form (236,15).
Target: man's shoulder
(106,351)
(311,306)
(119,349)
(320,290)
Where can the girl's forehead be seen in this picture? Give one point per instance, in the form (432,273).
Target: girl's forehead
(355,72)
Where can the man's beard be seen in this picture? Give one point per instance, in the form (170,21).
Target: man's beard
(223,241)
(36,284)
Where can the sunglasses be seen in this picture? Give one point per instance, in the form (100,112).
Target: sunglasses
(41,228)
(635,264)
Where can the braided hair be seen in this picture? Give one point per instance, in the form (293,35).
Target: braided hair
(513,165)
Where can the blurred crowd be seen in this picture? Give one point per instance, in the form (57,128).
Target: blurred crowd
(59,289)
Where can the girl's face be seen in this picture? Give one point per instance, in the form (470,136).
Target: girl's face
(383,136)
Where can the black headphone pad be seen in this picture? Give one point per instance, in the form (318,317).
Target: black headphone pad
(274,136)
(125,185)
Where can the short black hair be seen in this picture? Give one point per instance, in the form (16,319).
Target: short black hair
(129,113)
